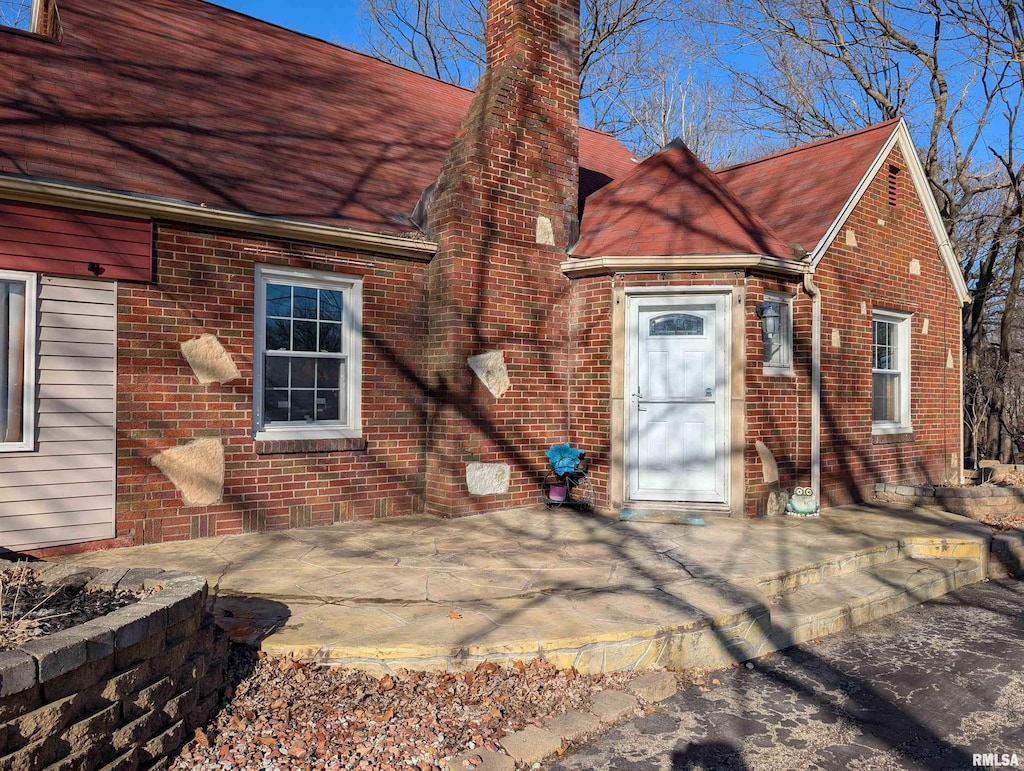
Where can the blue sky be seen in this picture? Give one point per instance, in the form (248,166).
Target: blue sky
(333,20)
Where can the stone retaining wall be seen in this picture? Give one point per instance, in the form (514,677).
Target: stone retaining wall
(1006,550)
(966,501)
(122,691)
(1006,558)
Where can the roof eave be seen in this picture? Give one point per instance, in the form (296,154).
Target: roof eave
(92,199)
(611,264)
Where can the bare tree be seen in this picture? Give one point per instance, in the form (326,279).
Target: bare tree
(628,53)
(954,68)
(16,13)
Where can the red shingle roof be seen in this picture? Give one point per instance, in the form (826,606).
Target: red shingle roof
(801,192)
(184,100)
(672,204)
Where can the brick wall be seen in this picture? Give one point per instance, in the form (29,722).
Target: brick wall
(121,691)
(881,272)
(205,284)
(778,406)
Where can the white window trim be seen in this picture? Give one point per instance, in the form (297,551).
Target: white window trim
(352,287)
(28,398)
(903,325)
(786,369)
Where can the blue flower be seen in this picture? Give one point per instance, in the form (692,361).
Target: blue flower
(564,458)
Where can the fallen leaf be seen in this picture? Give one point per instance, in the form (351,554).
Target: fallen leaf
(202,739)
(454,614)
(266,741)
(486,666)
(387,683)
(519,664)
(386,716)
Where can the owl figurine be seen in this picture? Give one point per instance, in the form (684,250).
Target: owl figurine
(802,503)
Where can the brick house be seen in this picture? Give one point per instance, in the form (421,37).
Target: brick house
(245,273)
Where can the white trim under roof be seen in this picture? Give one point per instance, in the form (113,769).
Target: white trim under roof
(900,136)
(89,199)
(603,266)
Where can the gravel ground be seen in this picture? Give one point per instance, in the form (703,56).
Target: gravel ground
(30,608)
(286,714)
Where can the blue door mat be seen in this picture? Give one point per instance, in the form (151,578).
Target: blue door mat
(665,516)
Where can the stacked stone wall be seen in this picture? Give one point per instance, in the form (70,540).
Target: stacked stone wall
(122,691)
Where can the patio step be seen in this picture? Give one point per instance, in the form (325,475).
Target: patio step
(845,600)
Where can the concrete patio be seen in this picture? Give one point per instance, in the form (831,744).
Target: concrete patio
(578,589)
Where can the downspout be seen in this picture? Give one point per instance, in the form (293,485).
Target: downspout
(815,293)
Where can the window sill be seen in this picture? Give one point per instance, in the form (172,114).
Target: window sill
(892,436)
(295,446)
(777,371)
(25,447)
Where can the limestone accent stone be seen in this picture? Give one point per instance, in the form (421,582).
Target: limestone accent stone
(612,706)
(573,725)
(851,238)
(490,368)
(949,359)
(769,468)
(915,267)
(196,469)
(531,745)
(653,687)
(924,326)
(488,478)
(836,338)
(863,308)
(489,761)
(209,361)
(545,232)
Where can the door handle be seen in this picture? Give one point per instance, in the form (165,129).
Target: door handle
(636,402)
(708,391)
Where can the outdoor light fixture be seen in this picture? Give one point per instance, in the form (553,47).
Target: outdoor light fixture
(769,315)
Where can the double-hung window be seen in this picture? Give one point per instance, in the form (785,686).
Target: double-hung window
(307,354)
(890,372)
(17,361)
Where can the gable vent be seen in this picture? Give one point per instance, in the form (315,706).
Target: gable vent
(894,172)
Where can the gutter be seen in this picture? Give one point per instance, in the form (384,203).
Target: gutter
(90,199)
(815,293)
(606,266)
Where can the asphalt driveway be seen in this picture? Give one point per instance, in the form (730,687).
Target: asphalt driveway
(925,689)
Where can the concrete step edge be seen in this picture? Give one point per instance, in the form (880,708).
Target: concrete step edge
(924,547)
(895,591)
(816,572)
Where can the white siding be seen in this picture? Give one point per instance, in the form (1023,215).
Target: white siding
(63,492)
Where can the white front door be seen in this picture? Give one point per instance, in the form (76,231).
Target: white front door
(678,393)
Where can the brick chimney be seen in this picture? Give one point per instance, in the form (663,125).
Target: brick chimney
(503,211)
